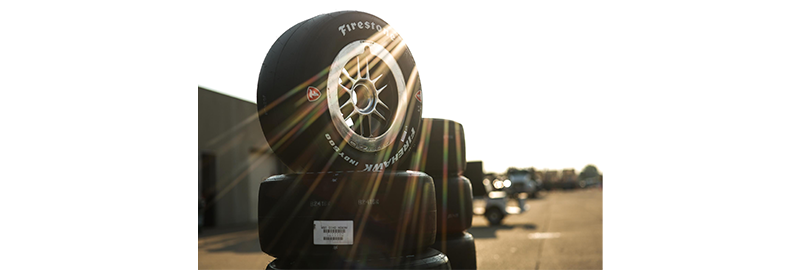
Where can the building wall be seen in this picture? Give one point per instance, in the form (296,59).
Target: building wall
(228,129)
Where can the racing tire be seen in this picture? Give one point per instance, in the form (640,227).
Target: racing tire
(441,148)
(474,172)
(346,214)
(427,259)
(453,203)
(459,248)
(495,216)
(340,91)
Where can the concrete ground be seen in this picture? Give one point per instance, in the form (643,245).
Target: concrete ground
(561,230)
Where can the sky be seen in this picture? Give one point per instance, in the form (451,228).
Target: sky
(552,85)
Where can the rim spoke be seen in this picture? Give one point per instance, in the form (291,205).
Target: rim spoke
(358,64)
(384,105)
(345,88)
(361,124)
(376,79)
(369,120)
(381,90)
(380,115)
(345,104)
(351,114)
(344,72)
(367,70)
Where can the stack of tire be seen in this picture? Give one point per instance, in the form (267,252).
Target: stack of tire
(340,103)
(441,154)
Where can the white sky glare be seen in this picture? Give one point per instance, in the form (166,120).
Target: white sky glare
(548,85)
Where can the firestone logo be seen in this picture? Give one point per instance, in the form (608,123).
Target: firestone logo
(419,95)
(312,93)
(352,26)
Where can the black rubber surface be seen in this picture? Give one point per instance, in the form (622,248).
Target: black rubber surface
(494,215)
(453,203)
(459,248)
(392,214)
(441,148)
(474,173)
(300,129)
(427,259)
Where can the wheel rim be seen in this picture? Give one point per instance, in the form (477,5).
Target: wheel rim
(359,101)
(493,216)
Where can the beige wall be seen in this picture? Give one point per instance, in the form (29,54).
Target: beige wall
(228,128)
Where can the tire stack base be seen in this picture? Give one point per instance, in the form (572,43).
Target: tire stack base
(442,155)
(453,220)
(341,107)
(346,220)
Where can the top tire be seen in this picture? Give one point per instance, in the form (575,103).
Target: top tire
(441,150)
(340,91)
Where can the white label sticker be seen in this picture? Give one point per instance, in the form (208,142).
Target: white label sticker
(333,232)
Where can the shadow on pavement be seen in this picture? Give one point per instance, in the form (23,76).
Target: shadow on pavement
(214,231)
(241,245)
(491,231)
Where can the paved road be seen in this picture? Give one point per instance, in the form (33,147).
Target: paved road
(561,230)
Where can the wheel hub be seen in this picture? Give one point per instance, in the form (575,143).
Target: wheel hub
(364,96)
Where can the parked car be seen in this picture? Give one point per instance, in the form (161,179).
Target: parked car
(521,182)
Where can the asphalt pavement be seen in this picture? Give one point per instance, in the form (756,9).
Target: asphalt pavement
(560,230)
